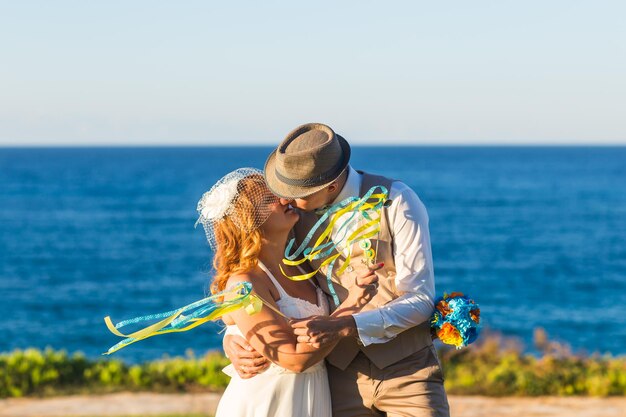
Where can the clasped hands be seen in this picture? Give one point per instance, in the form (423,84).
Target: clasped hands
(315,330)
(320,330)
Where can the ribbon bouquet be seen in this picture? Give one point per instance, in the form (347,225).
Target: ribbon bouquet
(199,312)
(355,219)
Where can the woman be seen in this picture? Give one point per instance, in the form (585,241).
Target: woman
(248,228)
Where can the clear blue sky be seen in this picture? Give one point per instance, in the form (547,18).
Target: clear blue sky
(414,72)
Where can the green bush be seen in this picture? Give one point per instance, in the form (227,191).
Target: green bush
(49,372)
(494,367)
(497,367)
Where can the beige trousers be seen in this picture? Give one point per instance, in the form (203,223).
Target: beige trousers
(410,387)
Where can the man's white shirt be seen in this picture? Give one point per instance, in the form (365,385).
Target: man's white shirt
(415,281)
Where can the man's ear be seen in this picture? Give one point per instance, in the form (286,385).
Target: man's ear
(332,187)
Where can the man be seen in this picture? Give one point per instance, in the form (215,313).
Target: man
(384,363)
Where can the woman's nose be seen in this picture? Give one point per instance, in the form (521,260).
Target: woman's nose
(285,201)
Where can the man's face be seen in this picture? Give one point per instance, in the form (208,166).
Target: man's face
(311,202)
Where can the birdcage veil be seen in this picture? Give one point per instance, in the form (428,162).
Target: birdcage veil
(242,196)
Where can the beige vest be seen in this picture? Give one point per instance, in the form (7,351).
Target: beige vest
(404,344)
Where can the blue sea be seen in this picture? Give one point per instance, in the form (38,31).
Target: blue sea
(537,235)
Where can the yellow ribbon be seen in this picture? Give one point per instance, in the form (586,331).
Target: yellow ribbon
(210,308)
(368,204)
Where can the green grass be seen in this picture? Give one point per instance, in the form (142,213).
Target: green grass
(32,372)
(497,367)
(493,367)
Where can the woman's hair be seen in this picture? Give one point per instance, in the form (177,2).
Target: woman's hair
(238,235)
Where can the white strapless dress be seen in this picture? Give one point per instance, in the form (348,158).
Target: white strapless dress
(278,392)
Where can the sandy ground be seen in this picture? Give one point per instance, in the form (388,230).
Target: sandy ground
(129,404)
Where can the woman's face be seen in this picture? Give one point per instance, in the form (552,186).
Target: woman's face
(282,217)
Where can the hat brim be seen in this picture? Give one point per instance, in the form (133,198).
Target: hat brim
(293,191)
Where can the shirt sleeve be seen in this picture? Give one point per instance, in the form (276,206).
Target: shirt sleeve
(414,272)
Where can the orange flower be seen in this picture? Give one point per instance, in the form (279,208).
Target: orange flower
(449,335)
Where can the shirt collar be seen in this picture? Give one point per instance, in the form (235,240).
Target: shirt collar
(351,188)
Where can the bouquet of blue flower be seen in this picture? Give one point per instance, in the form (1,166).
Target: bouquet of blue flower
(456,319)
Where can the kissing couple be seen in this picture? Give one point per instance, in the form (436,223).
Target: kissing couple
(344,329)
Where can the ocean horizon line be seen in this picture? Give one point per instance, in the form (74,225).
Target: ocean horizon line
(355,145)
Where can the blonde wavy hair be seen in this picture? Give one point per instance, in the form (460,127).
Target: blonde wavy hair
(238,235)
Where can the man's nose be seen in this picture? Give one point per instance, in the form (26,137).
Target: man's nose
(285,201)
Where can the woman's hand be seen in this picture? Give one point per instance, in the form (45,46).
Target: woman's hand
(365,285)
(318,331)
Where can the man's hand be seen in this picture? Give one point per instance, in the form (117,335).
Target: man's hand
(320,330)
(247,361)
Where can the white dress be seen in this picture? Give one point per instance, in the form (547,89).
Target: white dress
(279,392)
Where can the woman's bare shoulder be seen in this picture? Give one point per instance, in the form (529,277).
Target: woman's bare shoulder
(256,277)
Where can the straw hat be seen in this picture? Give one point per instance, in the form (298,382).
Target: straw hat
(307,160)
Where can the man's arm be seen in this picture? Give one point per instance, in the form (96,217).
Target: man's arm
(414,279)
(414,272)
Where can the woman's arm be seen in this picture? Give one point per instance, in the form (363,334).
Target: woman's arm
(272,335)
